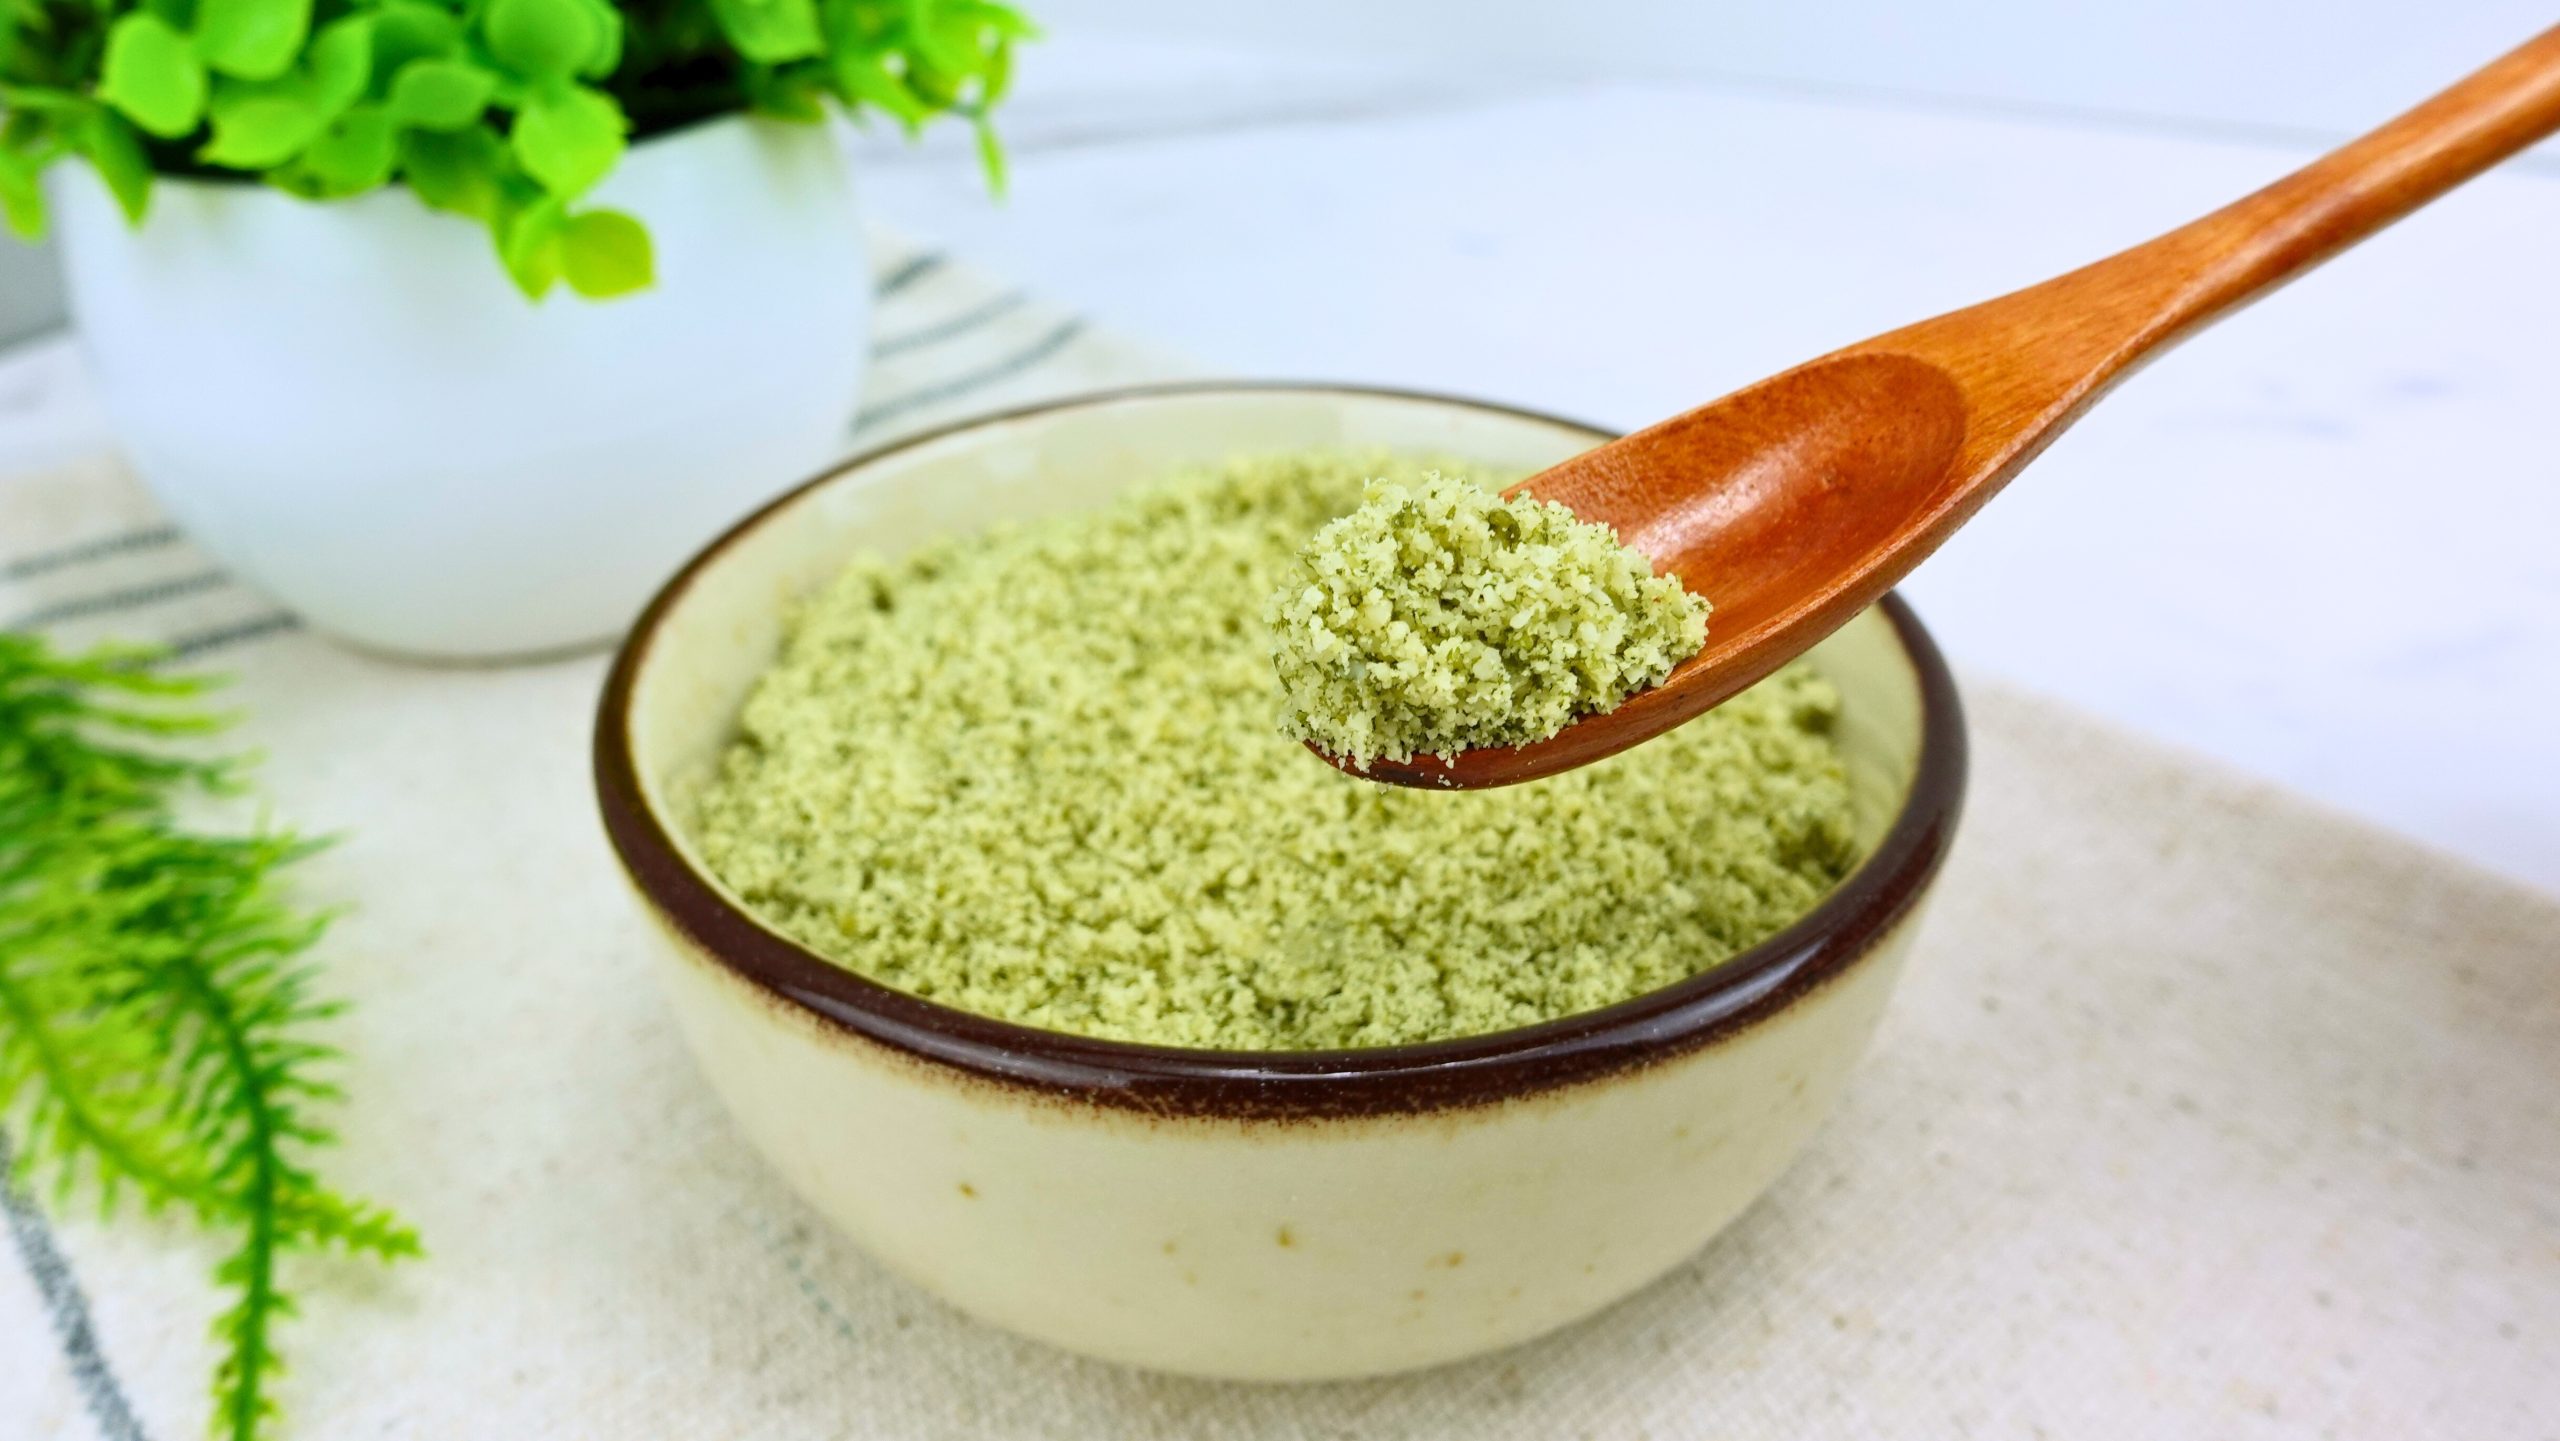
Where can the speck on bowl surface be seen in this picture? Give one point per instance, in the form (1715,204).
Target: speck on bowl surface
(1271,1216)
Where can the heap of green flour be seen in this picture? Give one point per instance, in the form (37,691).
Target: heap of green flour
(1440,616)
(1033,774)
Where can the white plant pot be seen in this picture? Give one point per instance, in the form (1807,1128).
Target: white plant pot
(351,406)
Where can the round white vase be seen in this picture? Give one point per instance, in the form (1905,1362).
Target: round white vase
(352,407)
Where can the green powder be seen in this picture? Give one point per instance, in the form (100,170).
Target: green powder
(1033,774)
(1439,617)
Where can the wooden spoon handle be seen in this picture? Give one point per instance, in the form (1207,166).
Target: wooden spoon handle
(2257,243)
(2364,185)
(2032,360)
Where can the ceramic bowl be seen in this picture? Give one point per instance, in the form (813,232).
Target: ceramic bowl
(1238,1214)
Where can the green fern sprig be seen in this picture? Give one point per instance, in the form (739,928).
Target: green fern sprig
(155,1007)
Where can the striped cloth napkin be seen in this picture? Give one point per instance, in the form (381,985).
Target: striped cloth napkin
(2202,1112)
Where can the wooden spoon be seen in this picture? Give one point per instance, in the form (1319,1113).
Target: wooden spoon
(1795,503)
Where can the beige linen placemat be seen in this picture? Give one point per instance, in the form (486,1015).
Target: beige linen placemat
(2201,1113)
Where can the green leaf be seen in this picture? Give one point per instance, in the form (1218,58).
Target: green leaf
(541,39)
(251,39)
(157,1012)
(997,78)
(568,139)
(954,36)
(867,79)
(935,86)
(990,156)
(152,75)
(456,171)
(407,30)
(341,63)
(116,150)
(260,127)
(1007,22)
(529,244)
(865,27)
(792,94)
(21,197)
(36,99)
(607,55)
(770,32)
(604,253)
(440,94)
(355,153)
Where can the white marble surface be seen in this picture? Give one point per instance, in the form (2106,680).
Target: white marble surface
(2318,542)
(2298,66)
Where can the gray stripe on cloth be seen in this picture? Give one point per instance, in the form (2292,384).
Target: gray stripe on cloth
(204,642)
(960,386)
(51,560)
(109,602)
(907,272)
(69,1310)
(950,329)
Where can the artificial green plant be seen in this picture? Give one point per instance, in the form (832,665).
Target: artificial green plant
(158,1015)
(506,111)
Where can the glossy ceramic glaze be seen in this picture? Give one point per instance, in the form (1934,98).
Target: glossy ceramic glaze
(1268,1216)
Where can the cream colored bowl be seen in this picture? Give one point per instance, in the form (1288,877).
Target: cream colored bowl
(1262,1215)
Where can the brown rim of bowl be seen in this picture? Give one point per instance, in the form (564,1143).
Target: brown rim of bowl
(1280,1085)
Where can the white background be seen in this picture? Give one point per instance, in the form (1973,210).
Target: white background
(2299,64)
